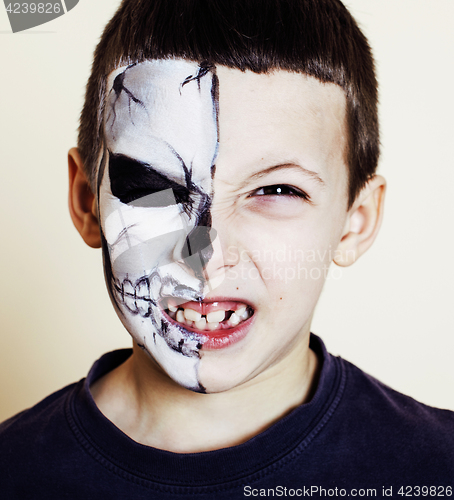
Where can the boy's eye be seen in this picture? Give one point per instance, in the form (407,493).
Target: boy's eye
(280,190)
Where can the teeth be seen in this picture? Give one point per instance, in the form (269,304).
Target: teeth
(180,316)
(239,312)
(215,316)
(234,319)
(201,324)
(211,321)
(192,315)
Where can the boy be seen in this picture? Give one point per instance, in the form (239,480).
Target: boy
(219,145)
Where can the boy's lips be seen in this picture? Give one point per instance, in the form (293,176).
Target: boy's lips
(220,322)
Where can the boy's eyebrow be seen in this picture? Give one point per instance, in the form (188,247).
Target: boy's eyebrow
(287,165)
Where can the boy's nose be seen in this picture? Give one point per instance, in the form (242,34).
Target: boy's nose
(198,250)
(202,251)
(198,239)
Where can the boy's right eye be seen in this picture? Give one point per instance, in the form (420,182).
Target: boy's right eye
(138,184)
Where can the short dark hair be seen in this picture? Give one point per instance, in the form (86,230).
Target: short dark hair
(316,37)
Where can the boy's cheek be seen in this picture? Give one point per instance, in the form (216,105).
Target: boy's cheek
(285,272)
(283,246)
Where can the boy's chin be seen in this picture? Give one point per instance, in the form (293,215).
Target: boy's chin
(218,387)
(215,385)
(218,378)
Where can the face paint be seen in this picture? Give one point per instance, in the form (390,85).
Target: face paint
(155,194)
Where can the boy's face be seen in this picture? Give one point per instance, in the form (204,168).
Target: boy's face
(222,198)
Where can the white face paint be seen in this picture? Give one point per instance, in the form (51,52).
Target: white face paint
(155,193)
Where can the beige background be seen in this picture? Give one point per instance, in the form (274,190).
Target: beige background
(391,313)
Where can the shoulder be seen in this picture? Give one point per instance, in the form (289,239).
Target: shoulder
(386,426)
(43,450)
(41,412)
(35,432)
(378,400)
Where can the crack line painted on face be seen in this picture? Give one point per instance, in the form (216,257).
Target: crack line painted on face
(118,87)
(204,68)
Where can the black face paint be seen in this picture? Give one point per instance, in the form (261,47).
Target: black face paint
(131,180)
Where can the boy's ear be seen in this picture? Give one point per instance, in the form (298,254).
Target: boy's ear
(82,203)
(363,222)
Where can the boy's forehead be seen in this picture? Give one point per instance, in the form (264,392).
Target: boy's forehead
(153,110)
(281,116)
(273,117)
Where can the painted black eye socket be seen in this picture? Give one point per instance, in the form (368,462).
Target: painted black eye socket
(150,198)
(280,190)
(138,184)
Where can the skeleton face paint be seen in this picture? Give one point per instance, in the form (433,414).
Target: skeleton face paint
(155,193)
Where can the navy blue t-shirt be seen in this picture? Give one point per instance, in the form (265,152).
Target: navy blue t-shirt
(356,437)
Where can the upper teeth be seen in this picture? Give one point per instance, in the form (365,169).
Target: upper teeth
(192,315)
(180,316)
(216,316)
(239,312)
(209,321)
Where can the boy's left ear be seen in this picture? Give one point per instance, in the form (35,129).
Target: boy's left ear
(363,222)
(81,200)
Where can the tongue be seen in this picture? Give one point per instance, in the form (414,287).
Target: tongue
(207,307)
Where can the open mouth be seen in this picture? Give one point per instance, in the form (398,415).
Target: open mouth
(221,322)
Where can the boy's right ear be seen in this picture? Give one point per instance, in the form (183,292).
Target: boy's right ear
(82,202)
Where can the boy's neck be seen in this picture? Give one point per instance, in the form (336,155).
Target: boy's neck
(143,402)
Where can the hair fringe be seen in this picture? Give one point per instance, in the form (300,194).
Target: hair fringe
(316,37)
